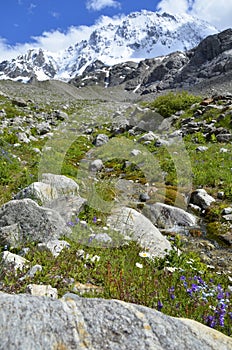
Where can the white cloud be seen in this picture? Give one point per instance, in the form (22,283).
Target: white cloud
(98,5)
(54,41)
(217,13)
(55,14)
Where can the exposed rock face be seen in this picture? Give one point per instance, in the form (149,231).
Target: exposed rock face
(211,58)
(79,323)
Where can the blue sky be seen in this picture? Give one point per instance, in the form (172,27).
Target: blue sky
(54,24)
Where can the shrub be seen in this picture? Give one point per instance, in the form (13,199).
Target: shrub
(172,102)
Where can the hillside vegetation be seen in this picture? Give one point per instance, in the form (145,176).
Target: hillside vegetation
(55,133)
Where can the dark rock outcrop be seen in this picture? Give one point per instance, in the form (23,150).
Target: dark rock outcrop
(210,59)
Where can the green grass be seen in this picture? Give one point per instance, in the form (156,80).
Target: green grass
(179,286)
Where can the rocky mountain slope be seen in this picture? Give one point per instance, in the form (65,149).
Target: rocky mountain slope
(58,247)
(211,59)
(134,37)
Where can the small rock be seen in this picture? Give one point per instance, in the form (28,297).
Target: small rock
(201,198)
(42,290)
(227,238)
(227,211)
(147,137)
(31,273)
(101,140)
(202,149)
(143,197)
(12,260)
(227,217)
(55,246)
(135,152)
(96,165)
(223,150)
(86,288)
(102,237)
(220,195)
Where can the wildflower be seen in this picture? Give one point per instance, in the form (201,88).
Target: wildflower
(70,223)
(95,220)
(170,291)
(159,305)
(80,253)
(140,266)
(182,278)
(144,255)
(95,258)
(169,269)
(220,296)
(210,321)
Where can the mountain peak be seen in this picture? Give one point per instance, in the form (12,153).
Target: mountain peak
(139,35)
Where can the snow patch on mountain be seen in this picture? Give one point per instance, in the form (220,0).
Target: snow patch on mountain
(134,37)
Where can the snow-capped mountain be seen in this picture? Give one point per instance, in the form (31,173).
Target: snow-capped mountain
(135,37)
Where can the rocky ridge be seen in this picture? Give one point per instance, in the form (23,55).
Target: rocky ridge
(183,70)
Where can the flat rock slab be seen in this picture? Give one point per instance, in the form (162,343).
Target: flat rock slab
(75,323)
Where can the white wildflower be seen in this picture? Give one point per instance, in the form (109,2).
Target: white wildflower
(140,266)
(95,258)
(145,255)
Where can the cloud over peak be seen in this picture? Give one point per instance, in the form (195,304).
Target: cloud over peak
(97,5)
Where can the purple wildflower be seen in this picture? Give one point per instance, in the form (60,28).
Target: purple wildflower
(94,219)
(220,296)
(182,278)
(194,287)
(159,305)
(210,321)
(70,223)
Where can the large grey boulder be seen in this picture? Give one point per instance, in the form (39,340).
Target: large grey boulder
(75,323)
(166,216)
(130,222)
(57,192)
(51,186)
(34,223)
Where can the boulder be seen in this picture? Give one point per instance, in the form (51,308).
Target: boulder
(30,322)
(130,222)
(166,216)
(201,198)
(56,192)
(63,185)
(35,223)
(50,187)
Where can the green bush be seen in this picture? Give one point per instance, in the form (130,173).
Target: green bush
(170,103)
